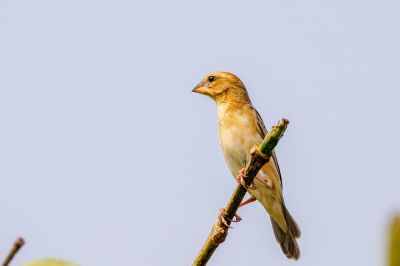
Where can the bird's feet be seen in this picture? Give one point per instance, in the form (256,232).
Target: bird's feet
(241,178)
(223,219)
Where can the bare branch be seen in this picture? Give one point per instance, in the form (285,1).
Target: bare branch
(259,156)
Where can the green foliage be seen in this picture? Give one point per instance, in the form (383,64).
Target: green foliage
(394,246)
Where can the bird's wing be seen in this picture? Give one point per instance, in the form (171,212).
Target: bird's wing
(263,131)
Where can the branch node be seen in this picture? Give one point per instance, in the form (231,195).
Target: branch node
(219,234)
(259,156)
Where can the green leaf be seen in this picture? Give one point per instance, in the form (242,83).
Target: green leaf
(394,245)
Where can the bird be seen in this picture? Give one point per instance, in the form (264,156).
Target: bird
(240,128)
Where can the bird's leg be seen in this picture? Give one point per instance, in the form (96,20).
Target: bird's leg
(241,179)
(249,200)
(223,219)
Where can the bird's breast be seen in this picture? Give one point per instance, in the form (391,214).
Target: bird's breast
(237,134)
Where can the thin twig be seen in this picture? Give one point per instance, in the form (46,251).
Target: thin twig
(259,156)
(17,245)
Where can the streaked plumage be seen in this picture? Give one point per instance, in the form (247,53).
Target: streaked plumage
(240,128)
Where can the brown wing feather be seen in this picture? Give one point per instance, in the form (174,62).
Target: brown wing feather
(263,131)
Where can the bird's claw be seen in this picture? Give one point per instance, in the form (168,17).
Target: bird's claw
(224,220)
(241,180)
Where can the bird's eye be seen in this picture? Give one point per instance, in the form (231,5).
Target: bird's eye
(211,78)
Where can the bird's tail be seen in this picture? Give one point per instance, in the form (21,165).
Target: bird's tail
(287,240)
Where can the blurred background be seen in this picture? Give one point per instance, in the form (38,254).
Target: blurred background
(108,158)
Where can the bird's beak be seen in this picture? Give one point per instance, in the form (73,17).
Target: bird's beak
(201,88)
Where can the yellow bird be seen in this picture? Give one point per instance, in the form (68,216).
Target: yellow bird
(240,128)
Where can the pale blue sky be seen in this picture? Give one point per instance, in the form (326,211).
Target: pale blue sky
(107,158)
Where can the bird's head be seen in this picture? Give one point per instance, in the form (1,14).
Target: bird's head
(223,87)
